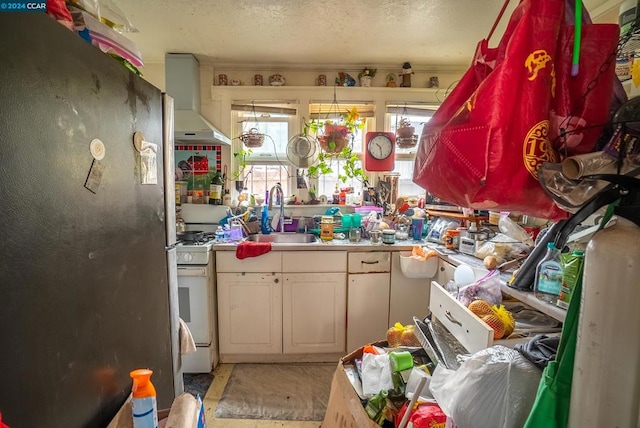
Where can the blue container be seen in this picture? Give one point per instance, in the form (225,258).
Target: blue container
(417,224)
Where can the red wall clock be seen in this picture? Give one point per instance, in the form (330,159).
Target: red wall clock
(380,151)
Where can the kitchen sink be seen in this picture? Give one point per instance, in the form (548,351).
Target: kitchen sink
(284,238)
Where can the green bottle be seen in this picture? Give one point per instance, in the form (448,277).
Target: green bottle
(215,189)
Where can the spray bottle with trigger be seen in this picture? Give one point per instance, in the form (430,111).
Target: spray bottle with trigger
(145,410)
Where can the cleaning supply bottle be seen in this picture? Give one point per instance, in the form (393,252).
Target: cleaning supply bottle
(548,281)
(264,221)
(145,410)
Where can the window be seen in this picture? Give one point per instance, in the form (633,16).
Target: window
(268,164)
(326,183)
(418,115)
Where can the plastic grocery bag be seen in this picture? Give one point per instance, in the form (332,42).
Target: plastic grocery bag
(376,374)
(495,387)
(486,288)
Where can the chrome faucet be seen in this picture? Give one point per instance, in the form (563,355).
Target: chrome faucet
(278,188)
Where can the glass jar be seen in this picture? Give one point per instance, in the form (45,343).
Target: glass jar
(402,232)
(326,228)
(376,237)
(354,234)
(388,236)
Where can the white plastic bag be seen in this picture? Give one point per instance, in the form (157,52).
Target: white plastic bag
(495,387)
(376,374)
(486,288)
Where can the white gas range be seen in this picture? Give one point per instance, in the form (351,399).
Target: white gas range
(197,303)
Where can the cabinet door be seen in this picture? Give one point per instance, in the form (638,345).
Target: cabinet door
(314,312)
(367,309)
(250,313)
(409,297)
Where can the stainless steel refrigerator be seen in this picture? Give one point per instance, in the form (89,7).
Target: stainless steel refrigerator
(88,284)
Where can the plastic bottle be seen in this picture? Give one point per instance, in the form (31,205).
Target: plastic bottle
(219,235)
(226,200)
(144,407)
(264,221)
(342,197)
(548,281)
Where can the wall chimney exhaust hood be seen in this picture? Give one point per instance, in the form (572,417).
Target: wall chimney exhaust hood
(182,79)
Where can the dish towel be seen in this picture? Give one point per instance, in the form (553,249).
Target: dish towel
(252,249)
(187,344)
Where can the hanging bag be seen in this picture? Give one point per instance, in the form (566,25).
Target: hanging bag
(483,146)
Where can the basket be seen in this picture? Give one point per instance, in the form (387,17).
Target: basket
(415,268)
(332,144)
(252,139)
(406,142)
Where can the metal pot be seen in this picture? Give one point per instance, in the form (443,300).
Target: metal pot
(191,235)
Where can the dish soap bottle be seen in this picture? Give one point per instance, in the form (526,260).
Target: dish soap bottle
(145,410)
(548,281)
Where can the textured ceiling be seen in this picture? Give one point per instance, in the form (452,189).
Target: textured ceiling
(305,33)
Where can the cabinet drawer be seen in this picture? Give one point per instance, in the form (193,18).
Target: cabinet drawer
(370,262)
(226,261)
(314,261)
(471,331)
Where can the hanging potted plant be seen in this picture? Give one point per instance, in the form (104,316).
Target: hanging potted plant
(405,137)
(336,135)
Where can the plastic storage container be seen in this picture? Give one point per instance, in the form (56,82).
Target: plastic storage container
(412,267)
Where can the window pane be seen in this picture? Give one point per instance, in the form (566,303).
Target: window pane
(406,186)
(327,182)
(262,178)
(276,135)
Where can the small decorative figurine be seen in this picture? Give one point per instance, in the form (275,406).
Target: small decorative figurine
(433,82)
(345,79)
(406,75)
(391,80)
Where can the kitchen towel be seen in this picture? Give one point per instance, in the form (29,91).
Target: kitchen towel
(252,249)
(187,344)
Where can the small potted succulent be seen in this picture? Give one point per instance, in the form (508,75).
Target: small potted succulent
(365,77)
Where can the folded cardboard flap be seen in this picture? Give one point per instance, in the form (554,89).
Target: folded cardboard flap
(344,409)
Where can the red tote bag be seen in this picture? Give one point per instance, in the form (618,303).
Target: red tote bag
(483,146)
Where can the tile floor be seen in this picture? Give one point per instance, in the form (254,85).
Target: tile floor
(221,376)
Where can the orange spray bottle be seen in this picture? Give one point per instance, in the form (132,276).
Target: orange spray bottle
(145,410)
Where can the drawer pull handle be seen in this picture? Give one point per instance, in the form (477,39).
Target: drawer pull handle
(451,318)
(370,263)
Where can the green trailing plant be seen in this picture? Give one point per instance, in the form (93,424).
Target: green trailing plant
(241,162)
(350,169)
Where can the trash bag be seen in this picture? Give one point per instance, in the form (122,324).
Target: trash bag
(495,387)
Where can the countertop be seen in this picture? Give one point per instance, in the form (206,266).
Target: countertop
(335,245)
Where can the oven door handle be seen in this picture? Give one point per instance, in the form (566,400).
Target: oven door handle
(192,271)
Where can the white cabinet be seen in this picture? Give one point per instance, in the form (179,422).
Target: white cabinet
(296,305)
(314,308)
(368,298)
(250,313)
(368,309)
(445,272)
(408,297)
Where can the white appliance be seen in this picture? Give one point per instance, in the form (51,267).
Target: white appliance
(197,304)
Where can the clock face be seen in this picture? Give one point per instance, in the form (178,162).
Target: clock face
(380,147)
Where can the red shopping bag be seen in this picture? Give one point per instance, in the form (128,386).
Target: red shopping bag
(484,145)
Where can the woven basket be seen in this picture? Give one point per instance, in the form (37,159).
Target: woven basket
(252,139)
(333,144)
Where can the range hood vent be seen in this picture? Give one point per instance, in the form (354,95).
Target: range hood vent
(182,79)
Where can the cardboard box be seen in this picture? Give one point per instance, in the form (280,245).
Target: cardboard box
(344,409)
